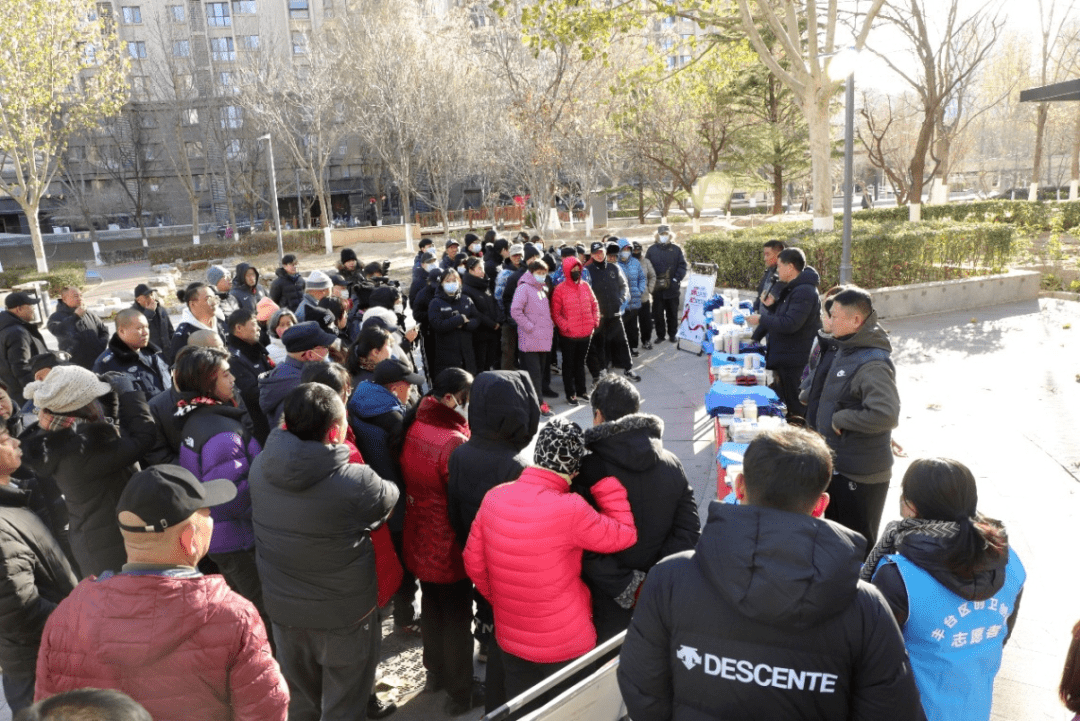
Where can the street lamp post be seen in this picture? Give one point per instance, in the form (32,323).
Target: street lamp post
(849,185)
(273,192)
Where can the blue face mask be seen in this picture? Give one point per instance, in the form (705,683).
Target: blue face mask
(540,277)
(625,255)
(450,288)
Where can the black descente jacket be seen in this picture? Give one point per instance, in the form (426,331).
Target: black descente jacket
(766,619)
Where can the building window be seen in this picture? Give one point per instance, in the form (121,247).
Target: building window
(140,85)
(131,15)
(176,13)
(189,117)
(181,48)
(89,54)
(222,49)
(232,149)
(225,82)
(346,171)
(299,43)
(249,42)
(232,117)
(243,7)
(298,9)
(183,83)
(217,15)
(193,149)
(136,49)
(76,153)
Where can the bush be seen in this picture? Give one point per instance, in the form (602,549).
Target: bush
(60,275)
(296,241)
(1028,216)
(882,254)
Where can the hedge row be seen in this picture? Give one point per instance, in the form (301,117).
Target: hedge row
(59,275)
(296,241)
(882,254)
(1036,216)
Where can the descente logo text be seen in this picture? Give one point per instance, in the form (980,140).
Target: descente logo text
(761,674)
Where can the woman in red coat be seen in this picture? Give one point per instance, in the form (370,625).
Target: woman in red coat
(577,315)
(431,549)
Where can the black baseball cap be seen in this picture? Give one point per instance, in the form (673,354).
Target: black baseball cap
(165,495)
(393,370)
(450,242)
(142,289)
(596,245)
(18,298)
(49,359)
(613,248)
(305,336)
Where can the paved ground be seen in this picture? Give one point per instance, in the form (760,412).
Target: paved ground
(997,388)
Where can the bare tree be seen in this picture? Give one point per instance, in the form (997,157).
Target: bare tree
(1051,40)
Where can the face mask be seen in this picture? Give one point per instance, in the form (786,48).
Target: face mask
(575,275)
(665,238)
(475,247)
(625,255)
(450,288)
(463,409)
(429,267)
(541,277)
(461,270)
(399,308)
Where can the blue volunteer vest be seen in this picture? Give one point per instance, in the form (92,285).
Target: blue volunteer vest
(955,645)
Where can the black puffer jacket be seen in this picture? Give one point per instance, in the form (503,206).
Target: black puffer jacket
(476,289)
(287,290)
(34,578)
(610,287)
(665,512)
(504,414)
(669,262)
(91,463)
(161,329)
(248,361)
(84,337)
(769,603)
(453,320)
(313,512)
(792,322)
(19,342)
(166,445)
(246,298)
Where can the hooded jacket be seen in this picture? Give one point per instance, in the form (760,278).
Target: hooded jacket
(504,413)
(34,577)
(431,551)
(524,555)
(215,445)
(531,310)
(287,290)
(174,642)
(793,322)
(85,337)
(631,449)
(91,463)
(670,265)
(190,324)
(19,342)
(489,312)
(635,277)
(246,298)
(313,513)
(376,417)
(148,370)
(452,319)
(161,328)
(573,305)
(765,619)
(859,397)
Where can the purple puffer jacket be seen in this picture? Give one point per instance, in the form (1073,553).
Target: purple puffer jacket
(531,310)
(215,445)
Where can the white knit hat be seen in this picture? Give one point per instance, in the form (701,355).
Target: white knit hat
(318,280)
(66,389)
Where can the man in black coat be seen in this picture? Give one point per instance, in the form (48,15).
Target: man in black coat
(670,266)
(629,445)
(612,291)
(791,325)
(767,618)
(131,353)
(161,325)
(248,359)
(287,290)
(20,340)
(769,285)
(34,577)
(78,331)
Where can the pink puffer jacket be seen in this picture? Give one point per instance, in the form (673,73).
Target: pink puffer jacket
(524,555)
(531,310)
(573,306)
(185,648)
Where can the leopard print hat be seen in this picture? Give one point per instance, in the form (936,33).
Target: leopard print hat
(560,447)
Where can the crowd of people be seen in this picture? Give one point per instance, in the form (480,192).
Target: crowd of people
(214,518)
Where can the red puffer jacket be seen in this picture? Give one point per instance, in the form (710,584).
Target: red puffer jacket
(184,647)
(573,306)
(431,550)
(524,555)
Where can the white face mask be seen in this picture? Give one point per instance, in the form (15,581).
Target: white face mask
(461,270)
(625,255)
(463,409)
(450,288)
(475,247)
(399,308)
(542,277)
(429,267)
(665,238)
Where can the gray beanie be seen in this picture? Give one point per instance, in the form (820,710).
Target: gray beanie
(214,274)
(560,447)
(66,389)
(318,280)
